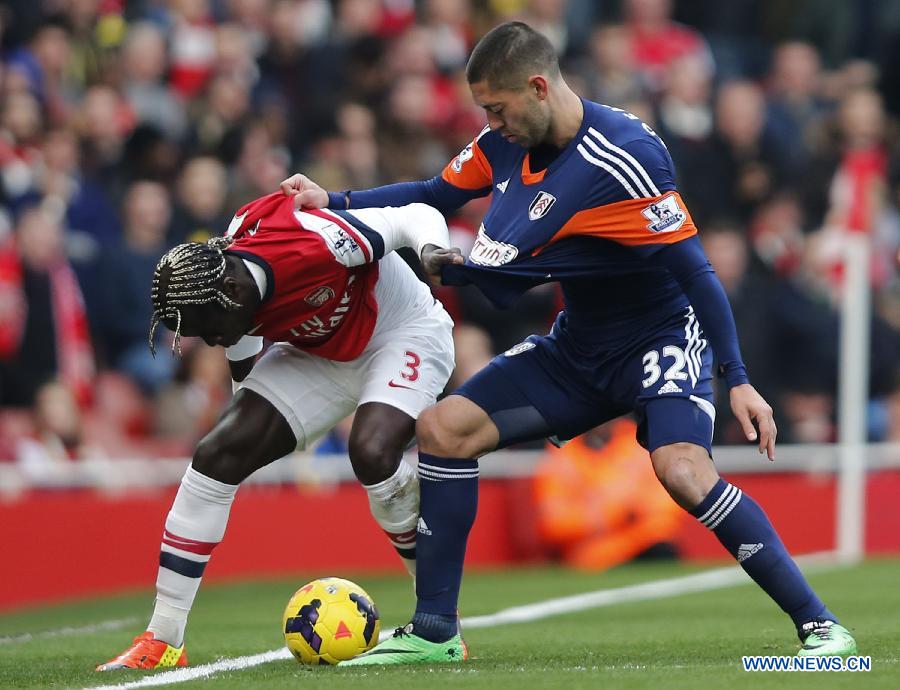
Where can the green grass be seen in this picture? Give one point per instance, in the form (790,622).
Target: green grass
(690,641)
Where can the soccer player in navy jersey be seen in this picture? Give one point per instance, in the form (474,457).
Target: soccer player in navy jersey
(354,330)
(583,194)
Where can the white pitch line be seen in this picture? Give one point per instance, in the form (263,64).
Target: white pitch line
(63,632)
(658,589)
(182,675)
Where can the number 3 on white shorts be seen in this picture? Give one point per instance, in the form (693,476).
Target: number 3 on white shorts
(673,373)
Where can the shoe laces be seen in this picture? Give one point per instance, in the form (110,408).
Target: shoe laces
(403,630)
(821,629)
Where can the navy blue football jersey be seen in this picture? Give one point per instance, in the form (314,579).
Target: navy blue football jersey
(589,221)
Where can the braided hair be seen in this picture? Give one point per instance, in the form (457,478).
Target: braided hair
(188,274)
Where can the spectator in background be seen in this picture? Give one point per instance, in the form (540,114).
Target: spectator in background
(739,167)
(448,23)
(144,66)
(90,221)
(549,18)
(201,192)
(262,163)
(796,111)
(599,503)
(127,272)
(41,66)
(300,69)
(657,41)
(53,335)
(21,128)
(684,114)
(188,407)
(219,119)
(193,45)
(728,252)
(350,157)
(103,123)
(97,29)
(58,437)
(609,72)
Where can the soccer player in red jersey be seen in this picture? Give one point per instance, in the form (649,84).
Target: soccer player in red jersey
(354,330)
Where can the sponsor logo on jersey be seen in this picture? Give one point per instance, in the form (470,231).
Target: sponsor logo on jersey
(540,205)
(464,155)
(252,231)
(502,186)
(321,326)
(664,215)
(488,252)
(319,296)
(519,349)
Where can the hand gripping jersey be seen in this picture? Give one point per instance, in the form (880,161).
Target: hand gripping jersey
(321,269)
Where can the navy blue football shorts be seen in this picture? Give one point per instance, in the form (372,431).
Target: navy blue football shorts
(545,387)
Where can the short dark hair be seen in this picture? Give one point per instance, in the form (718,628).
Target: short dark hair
(510,53)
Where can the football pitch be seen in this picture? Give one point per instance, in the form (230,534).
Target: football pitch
(627,640)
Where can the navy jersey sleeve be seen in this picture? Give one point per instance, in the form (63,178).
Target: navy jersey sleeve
(687,263)
(435,192)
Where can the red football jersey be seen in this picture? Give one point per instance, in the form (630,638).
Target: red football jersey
(320,275)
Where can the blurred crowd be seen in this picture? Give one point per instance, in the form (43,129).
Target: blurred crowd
(128,127)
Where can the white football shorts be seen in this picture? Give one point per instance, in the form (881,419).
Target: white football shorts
(406,364)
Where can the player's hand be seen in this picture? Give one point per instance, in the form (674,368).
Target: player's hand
(306,193)
(434,258)
(749,407)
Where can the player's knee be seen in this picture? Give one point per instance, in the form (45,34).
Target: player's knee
(434,436)
(372,460)
(686,477)
(220,459)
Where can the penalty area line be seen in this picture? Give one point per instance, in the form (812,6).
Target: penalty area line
(706,581)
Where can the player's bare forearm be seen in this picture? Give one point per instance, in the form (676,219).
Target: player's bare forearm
(753,412)
(434,258)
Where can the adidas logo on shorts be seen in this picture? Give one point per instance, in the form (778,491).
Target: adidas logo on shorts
(670,387)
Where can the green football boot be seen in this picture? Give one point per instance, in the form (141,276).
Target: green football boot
(404,647)
(825,638)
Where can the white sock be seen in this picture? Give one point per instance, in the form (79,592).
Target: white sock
(194,527)
(394,503)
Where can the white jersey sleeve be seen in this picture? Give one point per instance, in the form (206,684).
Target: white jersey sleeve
(365,235)
(248,346)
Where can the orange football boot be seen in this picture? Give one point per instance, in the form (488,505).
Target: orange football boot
(146,653)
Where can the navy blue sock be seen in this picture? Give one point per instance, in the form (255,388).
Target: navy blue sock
(745,531)
(448,503)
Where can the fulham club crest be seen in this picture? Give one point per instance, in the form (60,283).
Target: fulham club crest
(319,296)
(541,205)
